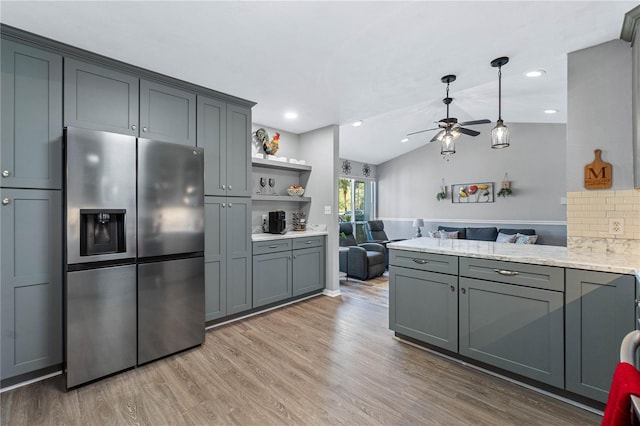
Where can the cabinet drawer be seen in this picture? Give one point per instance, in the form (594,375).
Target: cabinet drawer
(271,246)
(536,276)
(424,261)
(308,242)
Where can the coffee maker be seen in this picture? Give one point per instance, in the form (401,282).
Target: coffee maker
(277,222)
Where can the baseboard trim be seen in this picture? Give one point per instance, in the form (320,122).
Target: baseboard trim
(331,293)
(28,382)
(500,376)
(262,311)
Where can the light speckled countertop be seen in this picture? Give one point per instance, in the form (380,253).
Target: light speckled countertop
(290,234)
(525,253)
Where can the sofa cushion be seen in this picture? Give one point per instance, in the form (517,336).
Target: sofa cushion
(482,234)
(462,233)
(526,239)
(510,231)
(448,235)
(506,238)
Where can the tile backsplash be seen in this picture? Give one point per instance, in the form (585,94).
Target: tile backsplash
(588,217)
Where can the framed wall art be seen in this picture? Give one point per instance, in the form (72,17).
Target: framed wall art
(481,192)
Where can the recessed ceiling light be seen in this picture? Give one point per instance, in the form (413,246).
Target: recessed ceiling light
(535,73)
(405,140)
(290,115)
(357,123)
(550,111)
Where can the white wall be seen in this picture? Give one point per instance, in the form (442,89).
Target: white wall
(599,110)
(535,163)
(321,148)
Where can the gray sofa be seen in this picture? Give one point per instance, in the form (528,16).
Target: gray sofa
(362,261)
(485,233)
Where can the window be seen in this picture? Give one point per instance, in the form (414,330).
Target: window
(356,204)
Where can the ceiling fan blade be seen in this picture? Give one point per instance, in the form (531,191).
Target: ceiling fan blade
(468,131)
(422,131)
(472,122)
(435,138)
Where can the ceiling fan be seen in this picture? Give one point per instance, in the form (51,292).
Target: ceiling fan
(449,126)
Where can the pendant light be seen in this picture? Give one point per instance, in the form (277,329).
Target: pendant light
(447,140)
(500,133)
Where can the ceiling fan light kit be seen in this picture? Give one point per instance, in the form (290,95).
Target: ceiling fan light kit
(500,134)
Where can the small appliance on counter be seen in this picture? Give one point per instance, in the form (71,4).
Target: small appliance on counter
(277,222)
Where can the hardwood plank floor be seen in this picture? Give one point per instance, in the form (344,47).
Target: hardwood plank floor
(321,361)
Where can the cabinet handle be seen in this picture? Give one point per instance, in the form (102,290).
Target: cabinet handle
(294,257)
(273,246)
(5,201)
(230,188)
(463,290)
(230,204)
(637,302)
(224,205)
(453,288)
(507,273)
(5,173)
(421,261)
(223,187)
(144,129)
(309,242)
(133,127)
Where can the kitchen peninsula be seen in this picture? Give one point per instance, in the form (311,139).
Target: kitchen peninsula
(545,315)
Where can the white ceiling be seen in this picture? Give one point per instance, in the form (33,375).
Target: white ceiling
(337,62)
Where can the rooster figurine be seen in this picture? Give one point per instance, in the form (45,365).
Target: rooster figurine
(272,147)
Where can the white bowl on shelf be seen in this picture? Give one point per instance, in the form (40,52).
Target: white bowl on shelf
(295,192)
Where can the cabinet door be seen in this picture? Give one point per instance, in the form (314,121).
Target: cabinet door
(512,327)
(100,98)
(31,118)
(272,278)
(238,212)
(424,305)
(212,136)
(308,270)
(215,258)
(599,313)
(167,114)
(31,294)
(238,151)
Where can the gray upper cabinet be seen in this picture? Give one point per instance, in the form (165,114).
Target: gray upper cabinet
(517,328)
(31,147)
(224,131)
(100,98)
(599,313)
(167,114)
(31,293)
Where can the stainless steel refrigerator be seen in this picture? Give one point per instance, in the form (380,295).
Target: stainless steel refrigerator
(135,247)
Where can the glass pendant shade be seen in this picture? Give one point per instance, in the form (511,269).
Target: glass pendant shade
(500,136)
(448,144)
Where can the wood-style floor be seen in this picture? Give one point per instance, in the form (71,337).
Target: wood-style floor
(322,361)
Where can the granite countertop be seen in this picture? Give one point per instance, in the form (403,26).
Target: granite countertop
(289,234)
(525,253)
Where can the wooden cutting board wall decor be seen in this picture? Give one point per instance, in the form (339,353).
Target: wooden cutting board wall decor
(598,174)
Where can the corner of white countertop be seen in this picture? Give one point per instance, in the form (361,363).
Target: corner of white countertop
(289,234)
(525,253)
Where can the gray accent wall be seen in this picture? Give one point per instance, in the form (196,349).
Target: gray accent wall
(322,145)
(535,164)
(600,112)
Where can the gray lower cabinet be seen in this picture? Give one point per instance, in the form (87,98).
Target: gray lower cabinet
(599,313)
(227,256)
(167,114)
(308,270)
(517,328)
(31,273)
(31,142)
(272,278)
(424,305)
(100,98)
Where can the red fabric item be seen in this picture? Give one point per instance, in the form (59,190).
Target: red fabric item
(626,382)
